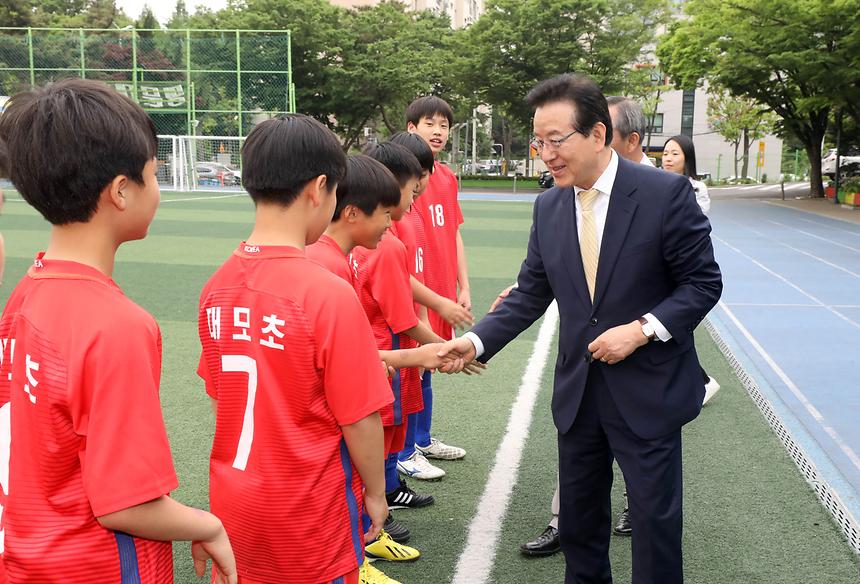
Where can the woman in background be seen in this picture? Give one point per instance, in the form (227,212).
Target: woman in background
(679,156)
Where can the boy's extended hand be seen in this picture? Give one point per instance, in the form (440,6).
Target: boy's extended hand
(430,359)
(455,314)
(502,295)
(460,347)
(377,508)
(217,549)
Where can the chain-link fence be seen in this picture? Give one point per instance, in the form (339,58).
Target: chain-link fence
(195,82)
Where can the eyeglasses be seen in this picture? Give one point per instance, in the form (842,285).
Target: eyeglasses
(554,143)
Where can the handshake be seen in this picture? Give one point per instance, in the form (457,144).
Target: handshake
(455,356)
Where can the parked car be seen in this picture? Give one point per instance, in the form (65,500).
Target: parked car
(545,180)
(849,162)
(215,173)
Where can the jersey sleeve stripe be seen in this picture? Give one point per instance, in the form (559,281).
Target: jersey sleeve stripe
(129,571)
(352,504)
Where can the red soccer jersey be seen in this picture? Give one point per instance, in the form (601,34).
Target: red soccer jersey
(289,356)
(328,254)
(386,296)
(79,374)
(441,215)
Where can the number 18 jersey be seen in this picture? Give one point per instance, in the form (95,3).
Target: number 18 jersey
(290,358)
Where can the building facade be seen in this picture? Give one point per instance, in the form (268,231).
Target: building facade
(686,112)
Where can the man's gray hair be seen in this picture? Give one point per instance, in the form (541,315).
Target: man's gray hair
(630,116)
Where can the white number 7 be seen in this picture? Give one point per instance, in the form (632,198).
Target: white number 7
(243,364)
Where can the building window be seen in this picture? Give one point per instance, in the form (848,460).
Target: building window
(657,125)
(687,107)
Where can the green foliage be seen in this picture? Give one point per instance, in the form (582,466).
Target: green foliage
(16,13)
(358,68)
(739,120)
(797,57)
(179,18)
(146,20)
(851,186)
(387,58)
(79,14)
(316,34)
(517,43)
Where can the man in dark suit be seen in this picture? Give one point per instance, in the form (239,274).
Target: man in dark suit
(626,253)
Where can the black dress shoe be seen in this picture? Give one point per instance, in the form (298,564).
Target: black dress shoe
(622,526)
(546,544)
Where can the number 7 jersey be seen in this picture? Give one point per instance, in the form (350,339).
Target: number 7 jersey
(290,358)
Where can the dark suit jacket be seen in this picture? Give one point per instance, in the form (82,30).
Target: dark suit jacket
(656,256)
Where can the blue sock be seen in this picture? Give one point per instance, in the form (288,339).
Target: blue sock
(422,428)
(365,522)
(409,445)
(392,479)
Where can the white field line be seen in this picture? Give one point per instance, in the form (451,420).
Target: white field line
(232,195)
(478,557)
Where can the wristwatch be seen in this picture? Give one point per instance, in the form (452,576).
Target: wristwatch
(647,329)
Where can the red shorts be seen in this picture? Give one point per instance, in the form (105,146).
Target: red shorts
(351,578)
(394,438)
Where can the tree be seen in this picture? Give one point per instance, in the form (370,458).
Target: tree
(179,18)
(387,57)
(646,83)
(797,57)
(504,57)
(316,33)
(79,14)
(738,120)
(16,13)
(146,21)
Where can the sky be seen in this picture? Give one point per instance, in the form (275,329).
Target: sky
(164,8)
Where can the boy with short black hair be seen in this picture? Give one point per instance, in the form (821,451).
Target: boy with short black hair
(89,467)
(384,289)
(430,117)
(290,361)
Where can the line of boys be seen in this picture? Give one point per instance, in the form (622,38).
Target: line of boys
(89,465)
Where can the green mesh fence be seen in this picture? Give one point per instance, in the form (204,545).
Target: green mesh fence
(192,82)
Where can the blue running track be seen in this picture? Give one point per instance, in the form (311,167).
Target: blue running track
(790,313)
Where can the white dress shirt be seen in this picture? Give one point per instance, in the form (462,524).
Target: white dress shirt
(646,160)
(600,207)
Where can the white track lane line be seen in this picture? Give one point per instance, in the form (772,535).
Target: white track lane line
(792,387)
(787,281)
(798,250)
(808,234)
(476,561)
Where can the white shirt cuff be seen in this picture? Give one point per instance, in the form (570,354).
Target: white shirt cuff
(479,346)
(662,334)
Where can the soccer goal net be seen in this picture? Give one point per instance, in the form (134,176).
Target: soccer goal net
(195,163)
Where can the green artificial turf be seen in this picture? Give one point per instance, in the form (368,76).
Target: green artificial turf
(749,516)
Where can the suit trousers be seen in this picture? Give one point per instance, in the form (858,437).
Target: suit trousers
(652,469)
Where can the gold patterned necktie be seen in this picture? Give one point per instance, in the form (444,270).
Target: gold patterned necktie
(588,238)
